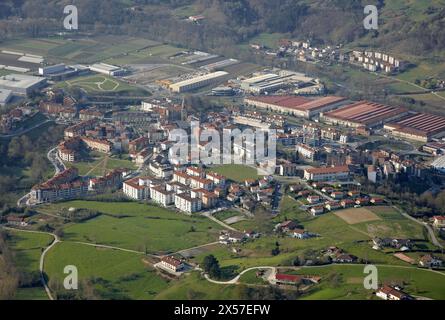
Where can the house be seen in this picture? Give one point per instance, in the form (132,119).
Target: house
(299,234)
(347,203)
(354,193)
(251,234)
(400,244)
(228,237)
(313,199)
(337,195)
(333,205)
(317,210)
(377,201)
(391,293)
(287,226)
(439,221)
(171,263)
(16,221)
(287,279)
(362,201)
(344,258)
(429,261)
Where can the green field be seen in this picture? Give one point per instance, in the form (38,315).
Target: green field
(27,248)
(117,274)
(236,172)
(349,283)
(138,227)
(99,164)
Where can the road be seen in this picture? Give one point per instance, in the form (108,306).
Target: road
(236,279)
(42,257)
(426,225)
(24,131)
(209,215)
(58,165)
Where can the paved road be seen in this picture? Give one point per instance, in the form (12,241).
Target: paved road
(24,131)
(271,276)
(236,279)
(58,165)
(42,256)
(426,225)
(209,215)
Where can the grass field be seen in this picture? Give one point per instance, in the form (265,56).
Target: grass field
(349,283)
(138,227)
(119,275)
(236,172)
(99,164)
(27,248)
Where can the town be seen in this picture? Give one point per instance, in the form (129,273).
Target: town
(277,180)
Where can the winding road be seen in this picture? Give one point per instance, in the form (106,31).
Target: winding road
(425,224)
(42,256)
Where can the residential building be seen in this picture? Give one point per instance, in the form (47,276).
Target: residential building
(327,174)
(185,203)
(160,195)
(172,263)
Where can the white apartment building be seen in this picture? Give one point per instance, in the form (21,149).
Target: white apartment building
(137,188)
(163,197)
(186,203)
(327,174)
(201,183)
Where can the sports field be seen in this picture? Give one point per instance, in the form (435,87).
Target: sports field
(356,215)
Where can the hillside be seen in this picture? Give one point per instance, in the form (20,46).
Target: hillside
(411,26)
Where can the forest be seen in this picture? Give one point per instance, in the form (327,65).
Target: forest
(232,22)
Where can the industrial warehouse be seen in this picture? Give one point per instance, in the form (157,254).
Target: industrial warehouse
(364,113)
(198,82)
(270,82)
(21,84)
(295,105)
(419,126)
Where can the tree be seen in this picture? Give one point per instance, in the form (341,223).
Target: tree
(211,266)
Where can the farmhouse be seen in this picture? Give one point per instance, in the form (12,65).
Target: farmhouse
(287,279)
(439,221)
(429,261)
(172,263)
(391,293)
